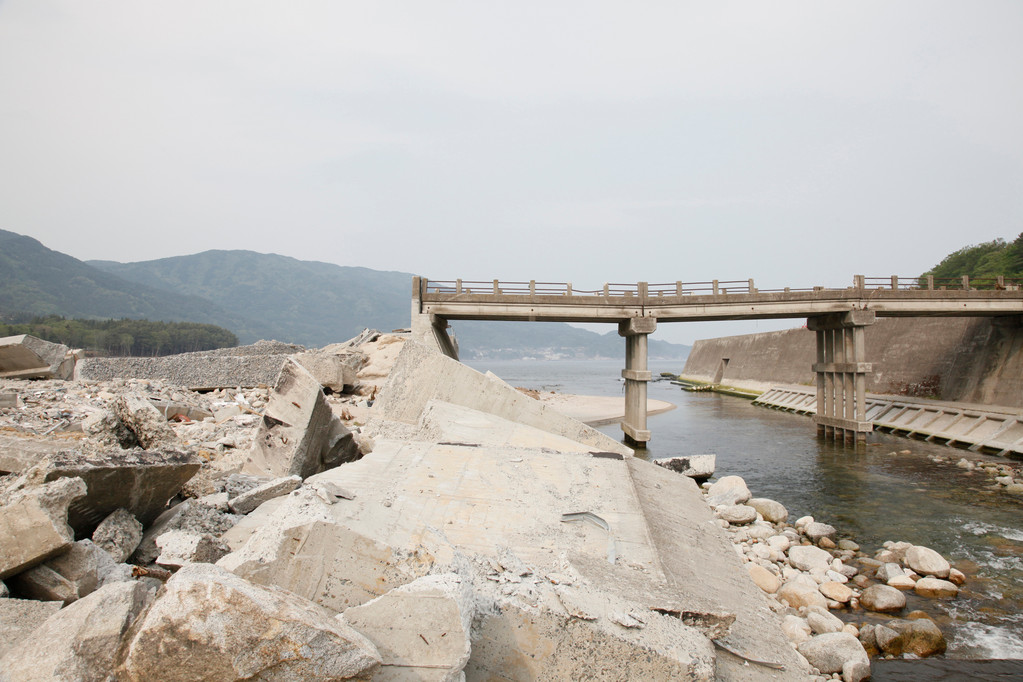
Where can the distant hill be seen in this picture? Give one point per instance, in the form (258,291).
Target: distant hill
(38,281)
(265,296)
(316,304)
(304,302)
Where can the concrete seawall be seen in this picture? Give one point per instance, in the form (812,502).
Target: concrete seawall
(973,360)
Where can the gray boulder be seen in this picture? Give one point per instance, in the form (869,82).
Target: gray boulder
(80,642)
(882,599)
(728,490)
(774,512)
(833,652)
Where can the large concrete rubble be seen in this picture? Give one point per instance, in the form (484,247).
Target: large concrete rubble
(372,510)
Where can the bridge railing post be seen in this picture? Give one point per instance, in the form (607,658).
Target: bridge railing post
(678,288)
(568,289)
(1000,282)
(641,290)
(458,286)
(532,287)
(895,282)
(752,289)
(714,286)
(497,287)
(930,282)
(859,282)
(966,282)
(606,292)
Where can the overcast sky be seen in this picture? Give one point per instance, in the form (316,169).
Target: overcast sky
(798,143)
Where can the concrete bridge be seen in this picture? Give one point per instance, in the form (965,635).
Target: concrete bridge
(838,315)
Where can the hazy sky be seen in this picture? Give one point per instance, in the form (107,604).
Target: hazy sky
(797,143)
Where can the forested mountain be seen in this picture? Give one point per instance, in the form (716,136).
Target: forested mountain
(983,261)
(38,281)
(264,296)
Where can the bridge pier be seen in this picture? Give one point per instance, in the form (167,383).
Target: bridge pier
(428,328)
(636,375)
(841,375)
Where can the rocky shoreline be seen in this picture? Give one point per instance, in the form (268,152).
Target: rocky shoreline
(813,576)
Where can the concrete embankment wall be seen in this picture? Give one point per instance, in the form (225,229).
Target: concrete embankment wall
(972,360)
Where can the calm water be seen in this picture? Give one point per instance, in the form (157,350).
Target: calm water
(871,495)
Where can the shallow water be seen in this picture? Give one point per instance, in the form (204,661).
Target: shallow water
(871,494)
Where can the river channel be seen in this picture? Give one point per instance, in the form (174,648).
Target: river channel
(871,495)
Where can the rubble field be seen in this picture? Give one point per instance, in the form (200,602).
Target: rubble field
(372,510)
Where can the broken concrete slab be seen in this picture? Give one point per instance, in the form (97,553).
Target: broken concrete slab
(9,399)
(421,374)
(28,357)
(301,549)
(146,423)
(211,624)
(697,467)
(81,642)
(298,432)
(518,643)
(19,617)
(140,481)
(448,423)
(422,629)
(20,452)
(119,534)
(250,499)
(33,523)
(65,578)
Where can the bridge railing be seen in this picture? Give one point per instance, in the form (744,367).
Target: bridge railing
(931,283)
(710,288)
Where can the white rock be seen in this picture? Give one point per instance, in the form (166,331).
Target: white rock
(772,511)
(821,621)
(809,558)
(796,629)
(926,561)
(830,652)
(728,490)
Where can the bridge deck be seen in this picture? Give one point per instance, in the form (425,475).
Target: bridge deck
(706,301)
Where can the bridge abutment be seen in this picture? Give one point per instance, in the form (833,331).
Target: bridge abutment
(636,331)
(841,375)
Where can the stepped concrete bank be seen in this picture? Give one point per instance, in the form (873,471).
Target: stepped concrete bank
(969,360)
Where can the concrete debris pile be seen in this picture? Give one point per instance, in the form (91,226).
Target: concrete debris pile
(449,528)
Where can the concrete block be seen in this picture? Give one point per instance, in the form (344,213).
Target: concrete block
(249,500)
(136,480)
(422,630)
(144,420)
(190,516)
(8,399)
(420,375)
(118,534)
(79,643)
(28,357)
(697,467)
(19,617)
(33,524)
(178,548)
(66,577)
(298,431)
(334,371)
(210,624)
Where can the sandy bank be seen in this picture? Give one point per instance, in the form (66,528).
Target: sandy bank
(597,410)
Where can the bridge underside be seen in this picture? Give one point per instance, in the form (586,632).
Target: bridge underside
(838,316)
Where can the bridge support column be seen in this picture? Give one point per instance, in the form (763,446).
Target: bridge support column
(842,375)
(430,329)
(636,375)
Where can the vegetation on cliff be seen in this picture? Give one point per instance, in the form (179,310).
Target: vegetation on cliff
(983,261)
